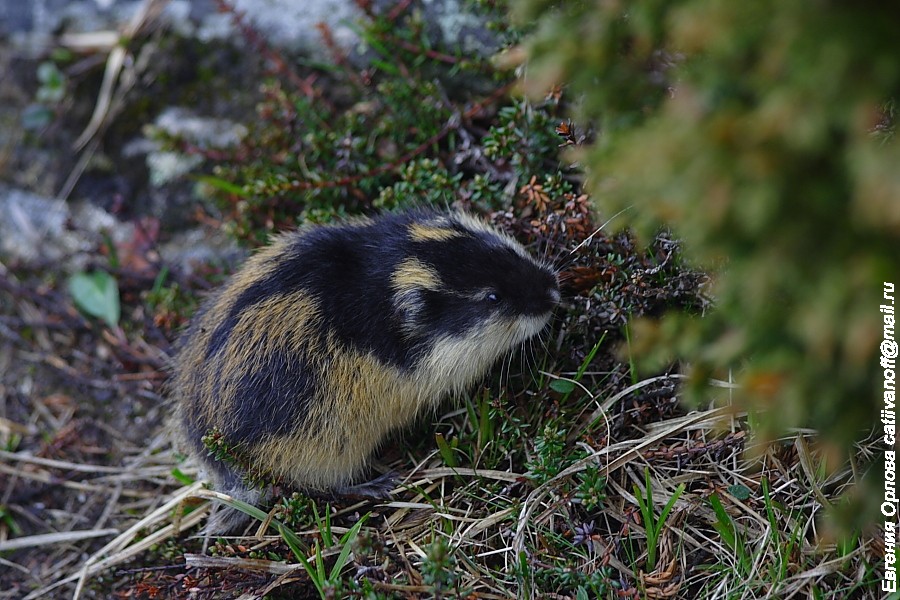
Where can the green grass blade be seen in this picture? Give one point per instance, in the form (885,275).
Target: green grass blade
(347,544)
(723,523)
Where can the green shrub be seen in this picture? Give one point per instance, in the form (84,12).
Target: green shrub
(762,133)
(394,132)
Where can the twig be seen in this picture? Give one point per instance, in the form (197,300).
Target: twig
(250,564)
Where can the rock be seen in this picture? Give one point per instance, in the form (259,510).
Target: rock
(171,196)
(289,24)
(207,133)
(293,25)
(457,26)
(33,24)
(34,228)
(166,167)
(204,132)
(37,229)
(200,246)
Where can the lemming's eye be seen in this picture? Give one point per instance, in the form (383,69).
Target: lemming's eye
(493,298)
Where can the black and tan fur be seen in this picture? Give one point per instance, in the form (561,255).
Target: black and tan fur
(330,338)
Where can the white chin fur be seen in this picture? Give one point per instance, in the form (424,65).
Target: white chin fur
(456,363)
(531,326)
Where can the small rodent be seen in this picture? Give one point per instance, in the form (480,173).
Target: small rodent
(333,336)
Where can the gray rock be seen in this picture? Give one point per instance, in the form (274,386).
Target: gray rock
(204,132)
(290,24)
(166,167)
(293,23)
(29,224)
(36,228)
(45,17)
(187,249)
(458,27)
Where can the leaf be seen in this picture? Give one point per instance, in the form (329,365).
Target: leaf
(563,386)
(446,451)
(225,186)
(181,477)
(741,492)
(96,294)
(723,524)
(36,116)
(48,72)
(346,547)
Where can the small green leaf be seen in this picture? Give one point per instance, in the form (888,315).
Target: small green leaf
(36,116)
(222,185)
(563,386)
(741,492)
(723,524)
(6,517)
(96,294)
(48,72)
(181,477)
(446,451)
(53,83)
(61,55)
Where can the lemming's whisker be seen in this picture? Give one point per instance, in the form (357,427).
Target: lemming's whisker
(531,358)
(563,265)
(588,239)
(505,370)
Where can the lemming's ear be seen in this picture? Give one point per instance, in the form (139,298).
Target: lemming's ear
(408,308)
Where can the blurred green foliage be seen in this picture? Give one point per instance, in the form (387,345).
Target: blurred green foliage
(762,133)
(400,129)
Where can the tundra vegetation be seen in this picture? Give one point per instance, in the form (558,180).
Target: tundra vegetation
(716,183)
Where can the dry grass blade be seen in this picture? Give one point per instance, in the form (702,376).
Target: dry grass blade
(146,13)
(47,539)
(250,564)
(118,550)
(612,400)
(61,464)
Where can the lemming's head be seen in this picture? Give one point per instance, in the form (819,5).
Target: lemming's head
(462,280)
